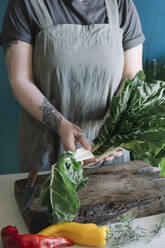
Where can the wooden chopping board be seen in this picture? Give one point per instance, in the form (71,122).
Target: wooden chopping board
(111,191)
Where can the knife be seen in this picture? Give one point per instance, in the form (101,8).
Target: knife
(29,190)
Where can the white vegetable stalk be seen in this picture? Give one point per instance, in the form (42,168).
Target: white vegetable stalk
(82,154)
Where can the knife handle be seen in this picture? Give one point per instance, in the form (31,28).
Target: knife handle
(32,178)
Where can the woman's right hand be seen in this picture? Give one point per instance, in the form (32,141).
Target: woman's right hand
(71,134)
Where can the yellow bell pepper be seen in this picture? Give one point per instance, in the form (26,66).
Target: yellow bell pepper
(87,234)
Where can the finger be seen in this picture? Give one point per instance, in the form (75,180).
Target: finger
(115,154)
(83,141)
(109,158)
(70,145)
(89,161)
(118,154)
(120,151)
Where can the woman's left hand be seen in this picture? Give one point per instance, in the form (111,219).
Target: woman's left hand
(91,161)
(118,153)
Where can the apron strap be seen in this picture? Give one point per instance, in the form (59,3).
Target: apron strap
(112,12)
(42,13)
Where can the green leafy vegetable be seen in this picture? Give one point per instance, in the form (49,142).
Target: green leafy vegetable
(136,122)
(59,191)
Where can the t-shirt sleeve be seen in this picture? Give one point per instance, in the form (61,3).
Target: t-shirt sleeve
(16,23)
(130,23)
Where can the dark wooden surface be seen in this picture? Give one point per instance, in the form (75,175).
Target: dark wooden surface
(111,191)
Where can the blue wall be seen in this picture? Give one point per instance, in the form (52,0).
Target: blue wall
(152,15)
(8,116)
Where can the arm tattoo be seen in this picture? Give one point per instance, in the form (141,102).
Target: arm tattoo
(9,54)
(51,117)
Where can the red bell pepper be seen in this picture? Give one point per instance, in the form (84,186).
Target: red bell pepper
(11,239)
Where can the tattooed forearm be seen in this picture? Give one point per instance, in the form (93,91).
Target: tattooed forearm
(51,117)
(9,55)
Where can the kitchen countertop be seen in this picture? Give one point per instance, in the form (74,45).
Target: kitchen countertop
(10,215)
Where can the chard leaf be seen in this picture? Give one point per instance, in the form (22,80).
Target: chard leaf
(118,107)
(59,192)
(136,122)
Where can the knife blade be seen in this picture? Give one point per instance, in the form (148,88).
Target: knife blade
(29,190)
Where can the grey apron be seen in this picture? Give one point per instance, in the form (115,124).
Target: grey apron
(78,68)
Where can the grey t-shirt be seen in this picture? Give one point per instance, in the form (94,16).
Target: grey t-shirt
(20,21)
